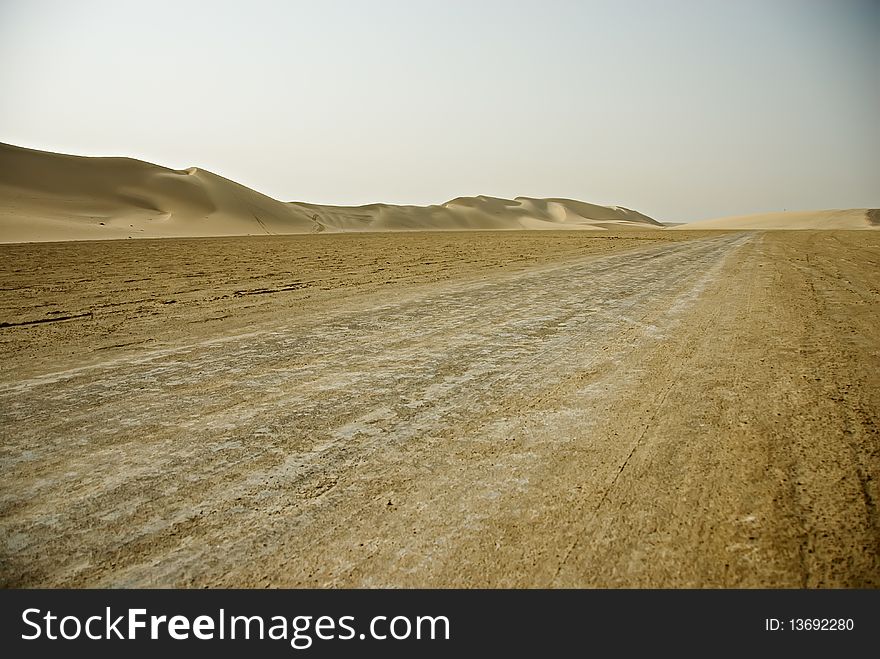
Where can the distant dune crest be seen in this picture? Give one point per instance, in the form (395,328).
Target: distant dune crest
(481,212)
(844,219)
(50,196)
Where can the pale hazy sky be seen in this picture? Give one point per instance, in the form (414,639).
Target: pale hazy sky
(680,109)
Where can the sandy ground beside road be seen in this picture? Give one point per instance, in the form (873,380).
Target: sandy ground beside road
(109,298)
(688,411)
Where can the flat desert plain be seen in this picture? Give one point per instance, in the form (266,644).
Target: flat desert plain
(658,408)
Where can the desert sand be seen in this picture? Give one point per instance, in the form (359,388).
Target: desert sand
(49,197)
(843,219)
(667,408)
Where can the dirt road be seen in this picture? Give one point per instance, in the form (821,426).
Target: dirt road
(695,413)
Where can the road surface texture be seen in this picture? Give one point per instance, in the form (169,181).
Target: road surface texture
(691,413)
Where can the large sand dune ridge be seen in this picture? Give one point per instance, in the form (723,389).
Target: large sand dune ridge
(48,196)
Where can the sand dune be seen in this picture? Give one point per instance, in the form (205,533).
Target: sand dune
(854,218)
(48,196)
(480,213)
